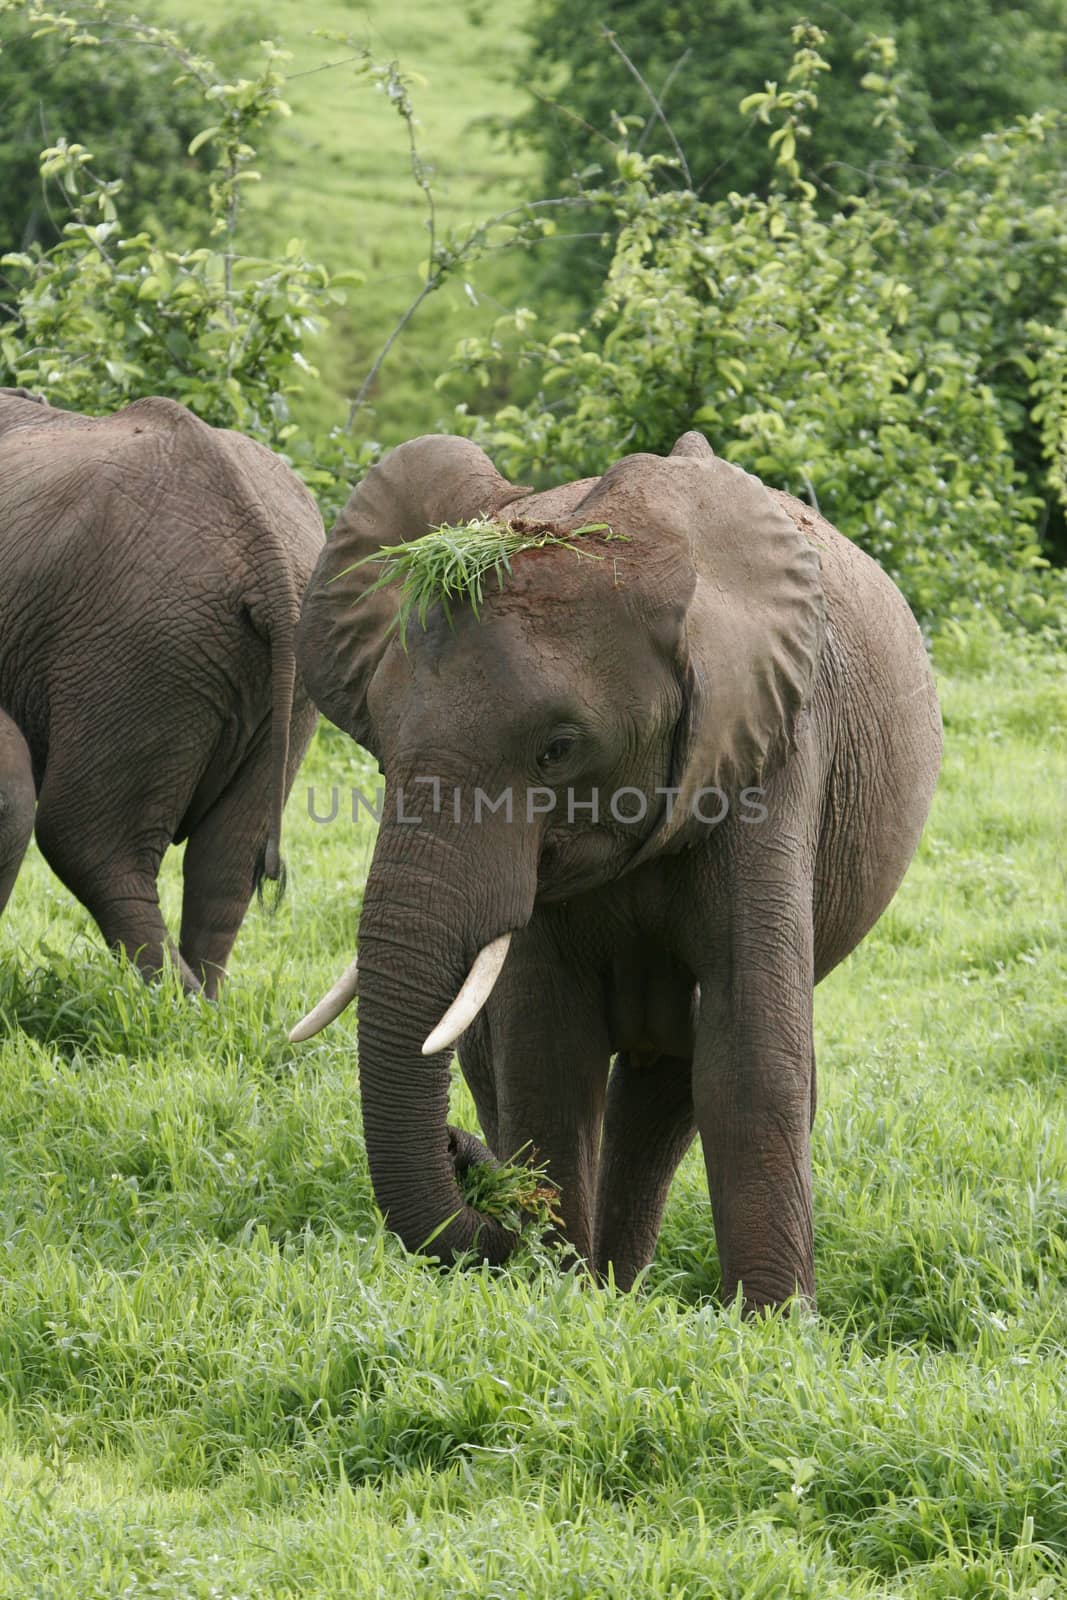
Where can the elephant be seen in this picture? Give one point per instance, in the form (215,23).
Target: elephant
(151,572)
(626,975)
(17,801)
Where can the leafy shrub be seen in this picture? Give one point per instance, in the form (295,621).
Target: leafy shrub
(983,251)
(879,362)
(104,317)
(111,311)
(966,66)
(124,106)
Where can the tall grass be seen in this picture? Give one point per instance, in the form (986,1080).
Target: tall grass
(221,1377)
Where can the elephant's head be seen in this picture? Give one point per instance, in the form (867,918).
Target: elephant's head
(670,651)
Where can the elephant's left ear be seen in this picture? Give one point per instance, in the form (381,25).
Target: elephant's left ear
(347,621)
(747,583)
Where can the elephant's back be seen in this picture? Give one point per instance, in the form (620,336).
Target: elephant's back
(149,507)
(269,485)
(100,526)
(135,554)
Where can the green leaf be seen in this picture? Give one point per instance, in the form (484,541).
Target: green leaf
(202,138)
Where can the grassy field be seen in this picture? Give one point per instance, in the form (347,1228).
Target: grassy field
(339,176)
(221,1378)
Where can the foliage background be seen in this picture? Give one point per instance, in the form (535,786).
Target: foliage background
(339,179)
(964,68)
(125,107)
(897,357)
(897,361)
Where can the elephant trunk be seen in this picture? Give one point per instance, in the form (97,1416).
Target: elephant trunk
(426,915)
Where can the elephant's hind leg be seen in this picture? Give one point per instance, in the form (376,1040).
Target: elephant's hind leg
(225,849)
(219,875)
(648,1127)
(17,801)
(106,842)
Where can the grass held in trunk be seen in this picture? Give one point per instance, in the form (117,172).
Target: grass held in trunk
(512,1193)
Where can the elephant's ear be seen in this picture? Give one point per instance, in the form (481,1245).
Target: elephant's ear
(344,629)
(745,584)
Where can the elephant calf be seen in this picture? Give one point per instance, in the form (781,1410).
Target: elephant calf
(638,801)
(151,571)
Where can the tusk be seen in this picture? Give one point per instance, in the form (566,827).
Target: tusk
(330,1006)
(471,998)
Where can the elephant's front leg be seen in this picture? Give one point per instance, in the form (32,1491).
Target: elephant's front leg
(17,800)
(550,1052)
(648,1128)
(753,1093)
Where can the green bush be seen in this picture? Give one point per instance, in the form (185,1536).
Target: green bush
(106,316)
(124,106)
(984,253)
(966,66)
(103,318)
(110,311)
(879,362)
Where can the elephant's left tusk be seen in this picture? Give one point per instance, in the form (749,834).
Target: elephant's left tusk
(330,1006)
(471,998)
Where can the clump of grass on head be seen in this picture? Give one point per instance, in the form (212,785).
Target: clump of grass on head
(452,563)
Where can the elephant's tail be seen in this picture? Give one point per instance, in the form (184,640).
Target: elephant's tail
(282,633)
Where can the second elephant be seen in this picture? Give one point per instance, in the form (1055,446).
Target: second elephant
(151,573)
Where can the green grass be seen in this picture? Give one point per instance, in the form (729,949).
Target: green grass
(221,1378)
(339,176)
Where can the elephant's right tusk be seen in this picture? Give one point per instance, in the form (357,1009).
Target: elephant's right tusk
(330,1006)
(471,998)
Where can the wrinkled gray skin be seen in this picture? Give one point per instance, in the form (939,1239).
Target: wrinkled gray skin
(17,800)
(151,570)
(659,981)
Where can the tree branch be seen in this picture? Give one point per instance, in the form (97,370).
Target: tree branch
(657,107)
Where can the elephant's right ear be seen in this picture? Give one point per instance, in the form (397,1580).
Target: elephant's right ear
(344,628)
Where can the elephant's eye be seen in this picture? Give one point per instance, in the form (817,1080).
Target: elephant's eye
(557,750)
